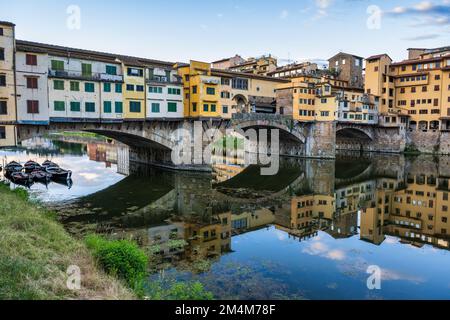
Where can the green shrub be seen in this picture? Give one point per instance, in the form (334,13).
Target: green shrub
(123,259)
(178,291)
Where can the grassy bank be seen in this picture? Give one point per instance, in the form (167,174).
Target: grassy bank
(35,252)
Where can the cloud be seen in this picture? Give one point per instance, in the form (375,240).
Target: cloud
(428,12)
(318,248)
(423,37)
(322,7)
(284,14)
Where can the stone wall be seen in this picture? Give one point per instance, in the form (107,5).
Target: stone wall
(321,140)
(428,142)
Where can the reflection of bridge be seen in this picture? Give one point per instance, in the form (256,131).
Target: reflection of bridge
(153,141)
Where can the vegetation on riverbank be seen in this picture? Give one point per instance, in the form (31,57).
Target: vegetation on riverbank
(36,252)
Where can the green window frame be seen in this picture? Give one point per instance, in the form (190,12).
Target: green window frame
(86,69)
(213,108)
(172,107)
(107,87)
(89,87)
(211,91)
(175,91)
(206,107)
(107,107)
(225,109)
(118,107)
(155,89)
(111,70)
(156,108)
(57,65)
(59,106)
(74,86)
(135,106)
(89,106)
(58,84)
(194,107)
(118,88)
(75,106)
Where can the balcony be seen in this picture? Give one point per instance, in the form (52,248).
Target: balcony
(164,80)
(78,75)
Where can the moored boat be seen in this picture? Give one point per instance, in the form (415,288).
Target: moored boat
(31,166)
(59,173)
(47,164)
(41,176)
(13,167)
(21,178)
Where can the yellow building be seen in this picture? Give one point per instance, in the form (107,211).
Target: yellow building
(417,88)
(201,89)
(8,103)
(134,94)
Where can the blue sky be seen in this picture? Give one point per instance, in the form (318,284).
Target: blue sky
(180,30)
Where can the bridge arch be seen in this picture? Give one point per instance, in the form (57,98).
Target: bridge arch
(285,132)
(354,137)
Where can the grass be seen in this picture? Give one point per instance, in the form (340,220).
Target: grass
(36,251)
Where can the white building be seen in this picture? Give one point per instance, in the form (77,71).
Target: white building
(164,94)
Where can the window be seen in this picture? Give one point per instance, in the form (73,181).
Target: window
(174,91)
(424,89)
(58,84)
(32,106)
(118,107)
(172,107)
(111,70)
(2,133)
(194,107)
(86,69)
(74,86)
(89,106)
(75,106)
(156,108)
(57,65)
(2,54)
(107,106)
(134,72)
(437,88)
(89,87)
(3,107)
(1,32)
(140,88)
(135,106)
(130,87)
(155,89)
(31,60)
(213,108)
(239,83)
(194,89)
(2,80)
(32,83)
(59,105)
(118,88)
(206,107)
(224,109)
(211,91)
(107,87)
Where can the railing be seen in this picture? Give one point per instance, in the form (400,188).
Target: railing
(79,75)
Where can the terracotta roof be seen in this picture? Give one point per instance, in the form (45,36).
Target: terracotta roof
(246,75)
(417,61)
(29,46)
(378,56)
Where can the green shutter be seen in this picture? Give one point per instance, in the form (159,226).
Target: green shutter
(89,87)
(205,108)
(107,107)
(211,91)
(155,108)
(59,105)
(118,88)
(57,65)
(74,86)
(58,84)
(111,70)
(107,87)
(213,108)
(119,107)
(135,106)
(172,107)
(90,107)
(86,69)
(75,106)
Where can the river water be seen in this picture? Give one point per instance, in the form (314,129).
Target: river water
(297,235)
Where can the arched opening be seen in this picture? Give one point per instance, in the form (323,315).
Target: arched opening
(434,125)
(423,125)
(352,139)
(241,104)
(413,125)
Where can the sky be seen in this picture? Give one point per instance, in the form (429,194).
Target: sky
(181,30)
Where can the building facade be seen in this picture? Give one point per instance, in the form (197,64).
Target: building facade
(349,68)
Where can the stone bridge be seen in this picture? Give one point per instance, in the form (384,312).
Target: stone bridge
(152,142)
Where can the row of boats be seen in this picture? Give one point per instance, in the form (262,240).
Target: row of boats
(32,172)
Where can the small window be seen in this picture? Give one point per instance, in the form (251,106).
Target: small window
(58,84)
(118,88)
(75,106)
(89,87)
(31,59)
(225,109)
(107,107)
(32,83)
(57,65)
(2,54)
(32,106)
(134,72)
(139,88)
(59,106)
(118,106)
(156,108)
(194,89)
(213,108)
(211,91)
(1,32)
(194,107)
(2,80)
(135,106)
(86,69)
(89,106)
(111,70)
(172,107)
(130,87)
(107,87)
(74,86)
(206,107)
(2,132)
(3,107)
